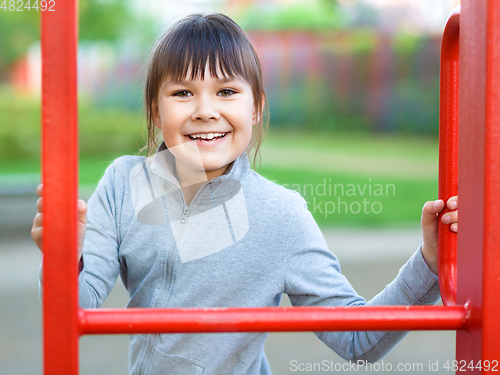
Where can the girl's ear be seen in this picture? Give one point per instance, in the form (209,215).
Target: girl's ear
(156,116)
(256,116)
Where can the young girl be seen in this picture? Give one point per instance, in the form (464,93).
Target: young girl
(193,226)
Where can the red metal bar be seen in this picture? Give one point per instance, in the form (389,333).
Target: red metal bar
(60,166)
(479,181)
(448,154)
(269,319)
(471,173)
(491,282)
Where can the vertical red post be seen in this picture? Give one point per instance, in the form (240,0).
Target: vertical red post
(491,270)
(479,182)
(60,176)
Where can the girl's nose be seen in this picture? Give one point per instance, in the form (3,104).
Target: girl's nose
(205,111)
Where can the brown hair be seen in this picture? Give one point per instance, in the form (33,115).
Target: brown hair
(194,42)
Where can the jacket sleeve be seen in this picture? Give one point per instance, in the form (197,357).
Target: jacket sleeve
(312,277)
(100,251)
(102,240)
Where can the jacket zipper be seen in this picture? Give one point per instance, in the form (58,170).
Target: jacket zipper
(152,338)
(161,300)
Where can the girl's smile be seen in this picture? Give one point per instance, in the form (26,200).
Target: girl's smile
(208,139)
(206,123)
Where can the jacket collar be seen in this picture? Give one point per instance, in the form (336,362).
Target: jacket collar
(163,164)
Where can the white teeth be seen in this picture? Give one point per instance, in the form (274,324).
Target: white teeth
(206,135)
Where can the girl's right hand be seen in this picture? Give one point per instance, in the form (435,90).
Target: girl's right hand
(37,229)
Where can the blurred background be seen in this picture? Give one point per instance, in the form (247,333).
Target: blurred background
(353,91)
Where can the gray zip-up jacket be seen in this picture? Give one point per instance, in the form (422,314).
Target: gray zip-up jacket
(243,241)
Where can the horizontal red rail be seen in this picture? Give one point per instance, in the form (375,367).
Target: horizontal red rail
(272,319)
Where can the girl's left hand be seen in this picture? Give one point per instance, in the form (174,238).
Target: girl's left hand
(429,223)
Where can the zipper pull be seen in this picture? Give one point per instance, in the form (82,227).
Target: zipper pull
(184,216)
(217,179)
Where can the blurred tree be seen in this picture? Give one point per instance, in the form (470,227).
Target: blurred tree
(17,31)
(103,19)
(98,19)
(302,15)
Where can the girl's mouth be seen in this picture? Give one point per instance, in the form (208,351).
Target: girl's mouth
(207,137)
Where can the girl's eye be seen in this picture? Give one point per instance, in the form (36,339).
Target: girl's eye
(182,93)
(226,92)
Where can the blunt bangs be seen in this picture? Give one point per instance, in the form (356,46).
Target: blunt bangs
(195,44)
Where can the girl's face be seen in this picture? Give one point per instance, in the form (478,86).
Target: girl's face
(206,124)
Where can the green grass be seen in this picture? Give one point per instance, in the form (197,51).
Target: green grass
(352,180)
(91,168)
(340,199)
(390,156)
